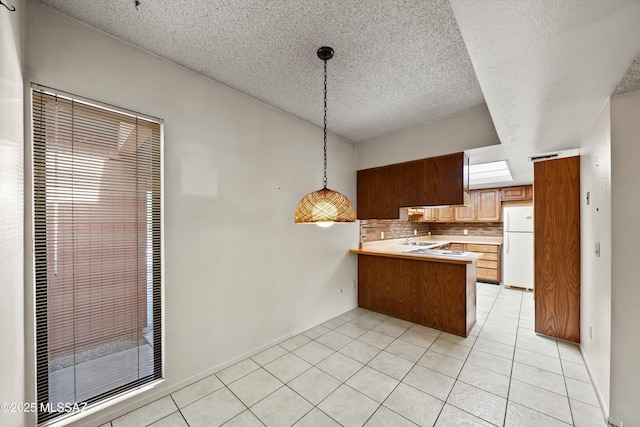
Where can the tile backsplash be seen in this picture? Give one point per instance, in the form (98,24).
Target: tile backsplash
(487,229)
(394,229)
(370,229)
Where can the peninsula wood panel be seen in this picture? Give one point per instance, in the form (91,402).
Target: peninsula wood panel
(436,294)
(557,248)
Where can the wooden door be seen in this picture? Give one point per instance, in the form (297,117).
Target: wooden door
(557,248)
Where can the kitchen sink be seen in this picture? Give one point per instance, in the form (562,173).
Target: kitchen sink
(426,251)
(424,243)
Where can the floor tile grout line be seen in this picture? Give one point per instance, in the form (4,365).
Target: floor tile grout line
(564,380)
(252,413)
(513,362)
(457,378)
(179,410)
(409,385)
(496,300)
(399,381)
(533,385)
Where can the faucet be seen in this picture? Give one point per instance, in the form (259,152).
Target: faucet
(406,241)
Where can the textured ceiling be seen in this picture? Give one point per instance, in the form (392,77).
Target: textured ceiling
(544,68)
(631,80)
(397,63)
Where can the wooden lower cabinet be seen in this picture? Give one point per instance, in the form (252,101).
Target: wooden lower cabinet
(457,247)
(489,265)
(436,294)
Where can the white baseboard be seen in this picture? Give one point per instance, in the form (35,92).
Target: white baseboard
(156,393)
(603,405)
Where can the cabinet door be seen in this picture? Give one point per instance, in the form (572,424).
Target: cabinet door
(445,180)
(375,199)
(446,215)
(430,214)
(466,213)
(517,193)
(488,207)
(408,183)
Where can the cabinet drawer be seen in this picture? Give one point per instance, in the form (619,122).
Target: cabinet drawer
(490,257)
(482,248)
(487,274)
(457,246)
(488,264)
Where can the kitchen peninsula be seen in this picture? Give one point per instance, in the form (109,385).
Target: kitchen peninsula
(420,282)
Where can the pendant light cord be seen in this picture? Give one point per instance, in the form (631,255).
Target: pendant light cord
(324,181)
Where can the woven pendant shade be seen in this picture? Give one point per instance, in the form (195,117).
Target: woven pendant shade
(324,206)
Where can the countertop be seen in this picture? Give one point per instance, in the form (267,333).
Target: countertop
(396,248)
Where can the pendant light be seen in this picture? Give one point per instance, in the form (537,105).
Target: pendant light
(324,207)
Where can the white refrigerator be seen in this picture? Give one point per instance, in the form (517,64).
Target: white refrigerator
(518,246)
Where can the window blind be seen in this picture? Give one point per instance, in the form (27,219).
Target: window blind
(97,237)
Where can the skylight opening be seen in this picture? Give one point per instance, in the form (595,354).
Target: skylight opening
(487,173)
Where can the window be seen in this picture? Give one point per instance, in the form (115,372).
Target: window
(97,237)
(488,173)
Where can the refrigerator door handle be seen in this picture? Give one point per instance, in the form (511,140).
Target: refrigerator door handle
(507,245)
(506,222)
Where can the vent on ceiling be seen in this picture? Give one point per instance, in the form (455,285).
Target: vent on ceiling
(543,157)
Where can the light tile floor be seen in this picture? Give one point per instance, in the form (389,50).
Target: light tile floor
(365,368)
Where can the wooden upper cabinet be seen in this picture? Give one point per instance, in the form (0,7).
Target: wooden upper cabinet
(488,206)
(466,213)
(430,214)
(445,181)
(374,195)
(435,181)
(485,207)
(517,193)
(445,215)
(556,219)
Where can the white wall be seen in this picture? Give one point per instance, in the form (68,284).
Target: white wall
(595,274)
(239,273)
(625,235)
(470,129)
(12,365)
